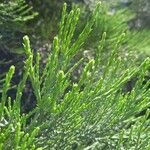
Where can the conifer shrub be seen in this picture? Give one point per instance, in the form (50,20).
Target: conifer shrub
(92,113)
(114,19)
(14,18)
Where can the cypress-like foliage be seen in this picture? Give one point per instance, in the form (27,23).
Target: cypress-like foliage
(93,113)
(14,16)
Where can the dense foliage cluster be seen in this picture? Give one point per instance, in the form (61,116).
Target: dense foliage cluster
(14,16)
(94,112)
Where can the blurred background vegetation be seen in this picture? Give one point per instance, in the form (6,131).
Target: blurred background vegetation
(40,20)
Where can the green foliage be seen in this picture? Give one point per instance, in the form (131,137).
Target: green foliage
(114,19)
(47,21)
(13,18)
(93,113)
